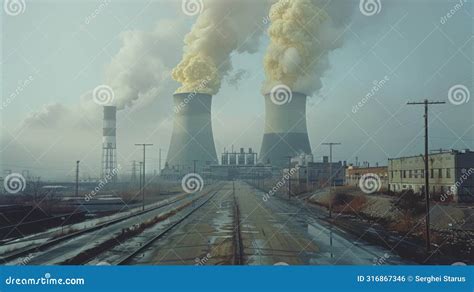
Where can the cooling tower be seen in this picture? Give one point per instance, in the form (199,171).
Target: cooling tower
(109,144)
(192,140)
(285,133)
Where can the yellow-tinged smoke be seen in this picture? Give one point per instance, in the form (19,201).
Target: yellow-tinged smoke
(297,45)
(223,27)
(197,73)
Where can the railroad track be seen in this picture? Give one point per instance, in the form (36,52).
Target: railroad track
(128,258)
(238,256)
(53,242)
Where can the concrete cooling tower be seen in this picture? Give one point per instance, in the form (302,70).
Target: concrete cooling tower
(285,133)
(192,140)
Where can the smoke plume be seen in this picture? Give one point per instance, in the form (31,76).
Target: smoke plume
(223,27)
(142,67)
(301,36)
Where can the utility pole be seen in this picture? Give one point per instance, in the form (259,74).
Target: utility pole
(140,166)
(330,144)
(37,185)
(427,103)
(143,173)
(134,172)
(289,176)
(77,178)
(159,162)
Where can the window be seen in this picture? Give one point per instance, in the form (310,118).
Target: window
(409,173)
(440,173)
(448,172)
(432,173)
(404,174)
(391,174)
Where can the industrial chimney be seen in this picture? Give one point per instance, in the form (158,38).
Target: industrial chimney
(192,141)
(109,144)
(285,133)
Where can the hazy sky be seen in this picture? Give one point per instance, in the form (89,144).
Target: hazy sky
(62,50)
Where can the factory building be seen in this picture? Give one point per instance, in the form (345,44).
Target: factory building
(317,174)
(240,158)
(450,172)
(354,174)
(239,165)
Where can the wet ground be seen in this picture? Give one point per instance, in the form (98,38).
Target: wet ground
(272,232)
(230,223)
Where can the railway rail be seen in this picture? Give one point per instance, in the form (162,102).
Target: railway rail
(43,246)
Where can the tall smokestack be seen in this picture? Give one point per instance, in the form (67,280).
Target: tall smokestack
(109,143)
(286,133)
(192,140)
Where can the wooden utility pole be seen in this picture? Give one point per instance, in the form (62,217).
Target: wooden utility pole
(427,103)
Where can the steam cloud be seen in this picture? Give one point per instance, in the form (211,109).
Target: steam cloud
(301,37)
(143,65)
(224,27)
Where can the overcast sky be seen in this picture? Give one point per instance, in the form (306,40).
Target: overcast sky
(55,53)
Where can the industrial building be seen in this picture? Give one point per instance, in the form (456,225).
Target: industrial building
(450,172)
(318,174)
(240,158)
(239,165)
(286,134)
(354,174)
